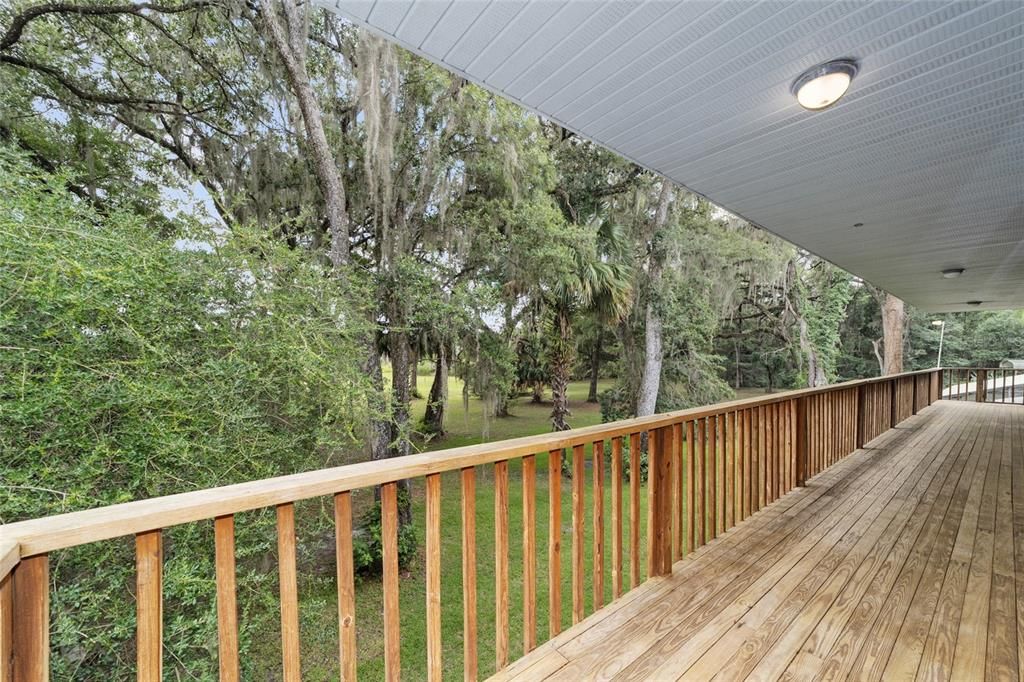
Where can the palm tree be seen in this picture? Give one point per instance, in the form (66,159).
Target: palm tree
(600,281)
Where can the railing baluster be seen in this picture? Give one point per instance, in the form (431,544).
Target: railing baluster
(529,553)
(711,487)
(389,540)
(720,468)
(730,469)
(678,526)
(597,452)
(690,487)
(289,591)
(577,534)
(346,585)
(433,587)
(699,456)
(149,605)
(616,518)
(469,648)
(554,542)
(501,624)
(227,606)
(634,510)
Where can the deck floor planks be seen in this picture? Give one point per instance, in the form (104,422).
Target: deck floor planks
(904,559)
(850,577)
(660,624)
(757,629)
(830,650)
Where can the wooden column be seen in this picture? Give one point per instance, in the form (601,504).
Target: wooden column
(659,506)
(981,386)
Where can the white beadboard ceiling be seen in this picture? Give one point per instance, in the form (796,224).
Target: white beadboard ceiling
(926,149)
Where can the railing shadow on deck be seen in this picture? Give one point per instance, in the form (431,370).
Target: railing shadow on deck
(709,468)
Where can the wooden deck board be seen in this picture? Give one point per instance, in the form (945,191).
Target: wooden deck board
(905,560)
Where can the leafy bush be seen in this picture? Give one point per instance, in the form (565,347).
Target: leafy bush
(139,362)
(367,547)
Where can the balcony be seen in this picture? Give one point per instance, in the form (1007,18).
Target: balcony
(863,529)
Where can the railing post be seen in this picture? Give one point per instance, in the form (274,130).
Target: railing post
(30,605)
(659,505)
(913,396)
(801,441)
(981,386)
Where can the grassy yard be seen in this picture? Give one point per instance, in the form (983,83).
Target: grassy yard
(319,630)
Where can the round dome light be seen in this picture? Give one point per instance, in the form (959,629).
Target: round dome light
(821,86)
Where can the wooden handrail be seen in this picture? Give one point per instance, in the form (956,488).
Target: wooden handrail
(50,533)
(10,555)
(709,468)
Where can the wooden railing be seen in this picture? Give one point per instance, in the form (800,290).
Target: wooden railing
(983,385)
(708,469)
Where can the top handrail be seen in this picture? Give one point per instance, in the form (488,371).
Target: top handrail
(42,535)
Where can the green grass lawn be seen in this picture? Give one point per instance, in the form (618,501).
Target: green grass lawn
(319,630)
(466,425)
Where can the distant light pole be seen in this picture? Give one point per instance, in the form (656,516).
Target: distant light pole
(942,333)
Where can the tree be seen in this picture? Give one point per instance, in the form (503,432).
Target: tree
(597,280)
(650,377)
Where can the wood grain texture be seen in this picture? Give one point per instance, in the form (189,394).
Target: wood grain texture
(529,553)
(6,628)
(347,656)
(227,600)
(634,510)
(30,607)
(554,542)
(469,605)
(597,556)
(149,606)
(616,518)
(288,587)
(577,534)
(433,559)
(389,540)
(501,598)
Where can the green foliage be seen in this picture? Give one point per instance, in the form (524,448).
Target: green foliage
(135,365)
(367,546)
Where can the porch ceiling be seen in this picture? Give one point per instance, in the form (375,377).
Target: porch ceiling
(926,149)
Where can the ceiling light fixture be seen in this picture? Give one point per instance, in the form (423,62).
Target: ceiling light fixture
(821,86)
(952,273)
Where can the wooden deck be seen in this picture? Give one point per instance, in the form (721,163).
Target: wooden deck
(903,561)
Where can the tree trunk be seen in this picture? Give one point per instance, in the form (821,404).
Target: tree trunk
(892,333)
(650,379)
(414,362)
(538,392)
(400,443)
(437,401)
(289,39)
(561,367)
(595,368)
(815,370)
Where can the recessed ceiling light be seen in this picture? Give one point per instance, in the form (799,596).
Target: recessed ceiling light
(821,86)
(952,273)
(973,302)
